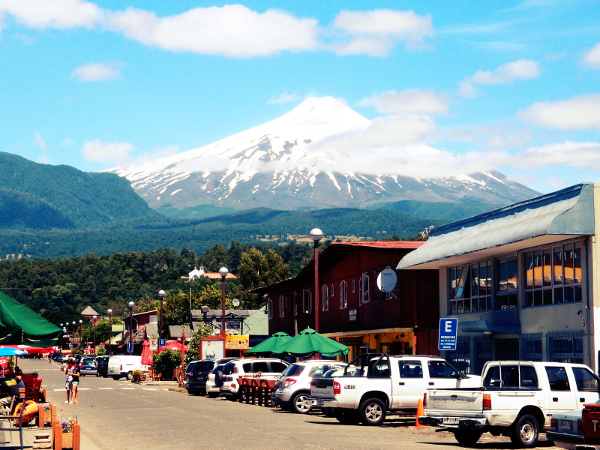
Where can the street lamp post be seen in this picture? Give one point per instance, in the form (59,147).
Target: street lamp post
(109,332)
(161,294)
(223,272)
(130,327)
(62,340)
(81,346)
(94,319)
(73,333)
(182,356)
(316,235)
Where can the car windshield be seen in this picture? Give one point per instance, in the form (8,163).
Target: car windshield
(228,368)
(217,368)
(293,371)
(202,366)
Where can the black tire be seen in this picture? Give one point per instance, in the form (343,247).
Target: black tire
(346,416)
(525,433)
(300,403)
(328,412)
(372,412)
(202,392)
(219,378)
(192,392)
(129,376)
(467,437)
(213,394)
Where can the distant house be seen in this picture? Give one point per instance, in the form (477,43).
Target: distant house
(89,313)
(196,274)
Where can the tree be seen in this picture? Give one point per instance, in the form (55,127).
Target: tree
(193,352)
(260,269)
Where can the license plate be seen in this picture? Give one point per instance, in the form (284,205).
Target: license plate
(566,425)
(320,402)
(450,420)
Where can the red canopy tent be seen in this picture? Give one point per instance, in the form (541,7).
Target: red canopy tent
(30,350)
(172,345)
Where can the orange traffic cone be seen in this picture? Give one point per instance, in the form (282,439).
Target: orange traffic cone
(420,412)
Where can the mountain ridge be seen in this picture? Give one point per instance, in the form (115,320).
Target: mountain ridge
(286,164)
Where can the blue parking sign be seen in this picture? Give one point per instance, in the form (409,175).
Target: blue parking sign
(162,343)
(448,332)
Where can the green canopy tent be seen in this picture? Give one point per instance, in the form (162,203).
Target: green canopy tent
(309,342)
(266,347)
(20,325)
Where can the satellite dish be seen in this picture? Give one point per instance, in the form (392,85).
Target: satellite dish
(387,279)
(235,302)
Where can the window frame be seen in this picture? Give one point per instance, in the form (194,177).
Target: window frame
(281,306)
(324,298)
(466,293)
(343,295)
(295,303)
(307,307)
(270,308)
(365,294)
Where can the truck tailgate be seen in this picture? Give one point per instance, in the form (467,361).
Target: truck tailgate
(442,401)
(322,388)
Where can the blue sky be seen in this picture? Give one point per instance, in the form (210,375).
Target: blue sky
(506,85)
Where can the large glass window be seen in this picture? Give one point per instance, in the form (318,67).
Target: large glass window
(553,275)
(506,283)
(470,287)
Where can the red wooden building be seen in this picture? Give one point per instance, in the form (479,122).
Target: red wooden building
(352,307)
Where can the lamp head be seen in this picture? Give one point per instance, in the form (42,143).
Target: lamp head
(80,321)
(223,271)
(316,234)
(161,293)
(94,317)
(131,305)
(204,309)
(109,312)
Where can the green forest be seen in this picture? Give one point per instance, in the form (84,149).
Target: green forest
(59,289)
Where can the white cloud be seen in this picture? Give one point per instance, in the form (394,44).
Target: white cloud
(97,72)
(61,14)
(67,142)
(592,57)
(567,154)
(39,141)
(577,113)
(231,30)
(492,136)
(412,101)
(283,98)
(376,32)
(113,152)
(522,69)
(43,159)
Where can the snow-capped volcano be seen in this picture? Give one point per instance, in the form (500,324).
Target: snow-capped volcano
(294,162)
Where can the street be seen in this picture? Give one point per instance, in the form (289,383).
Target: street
(121,415)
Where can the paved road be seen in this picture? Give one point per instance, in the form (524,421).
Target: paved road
(120,415)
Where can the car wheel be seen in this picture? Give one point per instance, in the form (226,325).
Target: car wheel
(202,391)
(467,437)
(346,416)
(525,431)
(192,392)
(130,376)
(372,412)
(213,394)
(301,404)
(116,378)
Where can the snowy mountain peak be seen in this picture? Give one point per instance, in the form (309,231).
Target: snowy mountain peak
(293,161)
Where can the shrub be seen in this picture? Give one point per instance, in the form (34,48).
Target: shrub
(166,361)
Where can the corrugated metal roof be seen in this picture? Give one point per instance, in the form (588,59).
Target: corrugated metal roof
(569,212)
(381,244)
(175,331)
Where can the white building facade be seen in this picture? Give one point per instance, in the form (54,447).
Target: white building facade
(521,280)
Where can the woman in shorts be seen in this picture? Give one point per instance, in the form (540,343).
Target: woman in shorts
(75,373)
(69,380)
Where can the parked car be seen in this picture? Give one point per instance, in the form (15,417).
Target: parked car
(516,399)
(123,366)
(566,429)
(102,366)
(88,367)
(215,381)
(292,390)
(196,374)
(269,368)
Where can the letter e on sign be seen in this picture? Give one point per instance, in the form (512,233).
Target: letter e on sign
(448,334)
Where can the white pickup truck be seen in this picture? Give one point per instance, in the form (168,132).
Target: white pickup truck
(375,385)
(516,399)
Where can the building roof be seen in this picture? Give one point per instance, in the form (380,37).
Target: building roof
(89,311)
(175,331)
(539,221)
(337,251)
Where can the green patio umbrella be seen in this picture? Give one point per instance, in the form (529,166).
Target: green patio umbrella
(309,342)
(266,347)
(20,325)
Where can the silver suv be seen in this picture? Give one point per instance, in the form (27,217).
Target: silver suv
(269,368)
(292,390)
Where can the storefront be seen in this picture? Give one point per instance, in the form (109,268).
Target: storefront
(520,279)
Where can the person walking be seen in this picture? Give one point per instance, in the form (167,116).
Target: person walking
(75,373)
